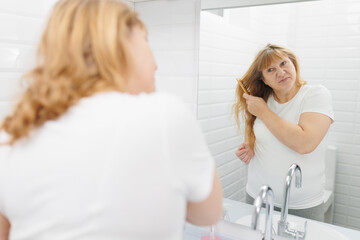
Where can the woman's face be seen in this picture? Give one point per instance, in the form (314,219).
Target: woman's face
(280,75)
(141,77)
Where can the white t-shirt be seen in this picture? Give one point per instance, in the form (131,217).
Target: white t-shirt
(272,159)
(115,166)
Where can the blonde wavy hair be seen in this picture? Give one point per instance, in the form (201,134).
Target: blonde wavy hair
(253,82)
(82,51)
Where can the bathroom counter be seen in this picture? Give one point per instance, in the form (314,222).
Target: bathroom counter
(236,210)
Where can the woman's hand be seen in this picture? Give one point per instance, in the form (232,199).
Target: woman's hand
(255,105)
(244,153)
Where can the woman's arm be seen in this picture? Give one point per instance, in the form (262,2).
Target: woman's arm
(303,137)
(208,211)
(4,228)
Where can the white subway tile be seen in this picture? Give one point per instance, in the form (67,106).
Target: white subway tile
(345,116)
(340,219)
(10,85)
(219,122)
(213,97)
(344,7)
(220,135)
(342,199)
(341,137)
(344,106)
(343,127)
(342,209)
(35,8)
(343,169)
(354,202)
(348,158)
(21,29)
(219,69)
(228,145)
(343,179)
(5,109)
(354,191)
(13,56)
(228,168)
(176,63)
(348,148)
(224,157)
(183,87)
(342,188)
(232,177)
(341,84)
(238,195)
(354,222)
(230,189)
(162,12)
(172,37)
(344,95)
(343,41)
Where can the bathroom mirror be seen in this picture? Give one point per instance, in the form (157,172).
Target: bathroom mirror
(325,35)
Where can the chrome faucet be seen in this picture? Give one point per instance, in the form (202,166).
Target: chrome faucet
(265,195)
(283,225)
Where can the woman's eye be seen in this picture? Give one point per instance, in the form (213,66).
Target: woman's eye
(270,69)
(283,63)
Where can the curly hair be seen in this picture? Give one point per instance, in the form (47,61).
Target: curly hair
(253,82)
(82,51)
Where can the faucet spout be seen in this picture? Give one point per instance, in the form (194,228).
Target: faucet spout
(283,225)
(266,195)
(294,168)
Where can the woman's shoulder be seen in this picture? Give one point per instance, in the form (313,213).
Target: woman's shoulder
(311,91)
(316,96)
(316,88)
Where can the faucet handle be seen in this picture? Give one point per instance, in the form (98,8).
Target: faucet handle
(285,231)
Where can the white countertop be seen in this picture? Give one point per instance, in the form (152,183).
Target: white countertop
(237,210)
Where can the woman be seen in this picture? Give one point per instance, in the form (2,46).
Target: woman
(285,122)
(91,151)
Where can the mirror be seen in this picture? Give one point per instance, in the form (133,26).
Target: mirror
(325,36)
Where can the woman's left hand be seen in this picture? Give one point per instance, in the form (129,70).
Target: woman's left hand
(255,105)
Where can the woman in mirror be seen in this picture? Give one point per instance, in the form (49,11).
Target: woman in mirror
(91,151)
(286,122)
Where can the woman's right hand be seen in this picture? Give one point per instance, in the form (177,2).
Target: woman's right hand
(244,153)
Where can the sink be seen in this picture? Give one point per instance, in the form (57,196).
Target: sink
(224,230)
(315,230)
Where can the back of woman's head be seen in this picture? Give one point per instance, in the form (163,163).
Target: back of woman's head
(253,82)
(82,51)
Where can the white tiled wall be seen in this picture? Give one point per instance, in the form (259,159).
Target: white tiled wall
(225,51)
(173,35)
(21,23)
(326,37)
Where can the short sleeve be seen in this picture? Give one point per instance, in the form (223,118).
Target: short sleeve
(318,99)
(192,161)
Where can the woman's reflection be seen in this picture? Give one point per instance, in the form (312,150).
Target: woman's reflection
(285,122)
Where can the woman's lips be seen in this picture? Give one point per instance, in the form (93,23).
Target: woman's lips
(283,80)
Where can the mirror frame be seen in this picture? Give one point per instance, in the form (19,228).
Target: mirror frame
(223,4)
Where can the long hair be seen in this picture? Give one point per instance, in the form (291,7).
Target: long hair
(82,51)
(252,81)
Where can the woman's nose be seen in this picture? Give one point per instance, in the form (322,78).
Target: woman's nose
(281,72)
